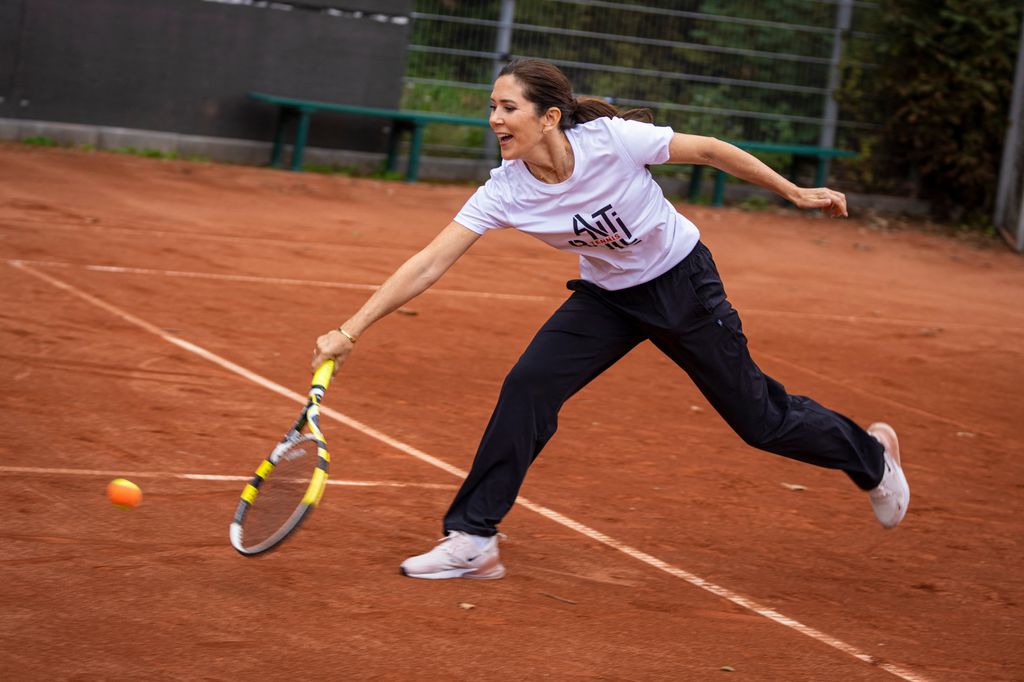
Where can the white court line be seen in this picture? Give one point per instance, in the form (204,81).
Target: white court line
(208,477)
(279,280)
(257,279)
(962,426)
(547,513)
(147,231)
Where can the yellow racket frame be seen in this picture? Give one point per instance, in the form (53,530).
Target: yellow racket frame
(308,418)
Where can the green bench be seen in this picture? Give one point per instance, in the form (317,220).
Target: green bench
(795,151)
(401,122)
(415,121)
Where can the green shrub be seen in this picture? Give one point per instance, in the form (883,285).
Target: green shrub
(942,91)
(39,141)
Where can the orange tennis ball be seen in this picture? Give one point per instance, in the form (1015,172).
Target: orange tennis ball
(124,493)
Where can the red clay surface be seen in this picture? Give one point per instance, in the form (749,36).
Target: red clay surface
(920,330)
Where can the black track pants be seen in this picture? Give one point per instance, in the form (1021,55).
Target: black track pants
(685,313)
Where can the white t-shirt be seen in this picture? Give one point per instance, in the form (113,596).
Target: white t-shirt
(610,211)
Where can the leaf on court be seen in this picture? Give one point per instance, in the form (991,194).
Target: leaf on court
(466,606)
(964,434)
(696,408)
(794,486)
(727,669)
(407,311)
(930,331)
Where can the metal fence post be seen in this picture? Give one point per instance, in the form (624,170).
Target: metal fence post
(503,43)
(502,47)
(1009,213)
(844,13)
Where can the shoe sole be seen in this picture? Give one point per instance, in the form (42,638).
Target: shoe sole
(467,573)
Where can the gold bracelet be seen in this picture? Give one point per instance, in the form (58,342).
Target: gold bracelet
(348,336)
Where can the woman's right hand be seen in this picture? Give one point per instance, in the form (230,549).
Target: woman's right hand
(331,346)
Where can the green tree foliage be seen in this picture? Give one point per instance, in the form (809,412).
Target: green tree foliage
(942,91)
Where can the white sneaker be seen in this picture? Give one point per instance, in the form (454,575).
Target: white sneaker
(892,496)
(457,556)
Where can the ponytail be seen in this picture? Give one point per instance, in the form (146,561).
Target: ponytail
(546,86)
(589,108)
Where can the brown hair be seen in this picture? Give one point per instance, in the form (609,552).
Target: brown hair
(546,86)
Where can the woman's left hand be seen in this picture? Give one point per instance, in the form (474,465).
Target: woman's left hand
(828,200)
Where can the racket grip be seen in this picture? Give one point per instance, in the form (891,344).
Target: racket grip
(323,375)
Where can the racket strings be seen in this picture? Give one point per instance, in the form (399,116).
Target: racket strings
(281,492)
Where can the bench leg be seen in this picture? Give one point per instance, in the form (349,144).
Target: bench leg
(794,173)
(393,140)
(822,173)
(719,197)
(694,194)
(301,135)
(412,172)
(283,116)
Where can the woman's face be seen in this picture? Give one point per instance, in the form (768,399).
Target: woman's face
(514,119)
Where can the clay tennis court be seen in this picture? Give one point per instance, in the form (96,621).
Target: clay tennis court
(151,307)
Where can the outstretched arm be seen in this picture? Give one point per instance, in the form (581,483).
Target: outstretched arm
(734,161)
(414,277)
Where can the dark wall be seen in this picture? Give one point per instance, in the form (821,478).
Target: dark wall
(10,31)
(185,65)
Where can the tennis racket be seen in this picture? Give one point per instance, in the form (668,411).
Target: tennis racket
(289,483)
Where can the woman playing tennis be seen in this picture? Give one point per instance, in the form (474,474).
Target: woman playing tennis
(574,174)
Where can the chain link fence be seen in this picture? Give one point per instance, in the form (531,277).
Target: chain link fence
(735,69)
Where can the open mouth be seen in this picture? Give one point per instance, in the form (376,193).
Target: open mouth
(504,138)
